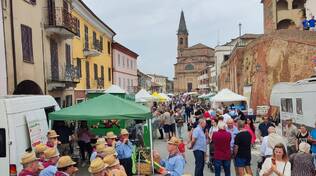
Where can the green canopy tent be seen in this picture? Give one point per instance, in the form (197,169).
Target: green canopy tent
(106,107)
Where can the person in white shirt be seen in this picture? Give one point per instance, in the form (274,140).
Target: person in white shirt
(268,142)
(226,116)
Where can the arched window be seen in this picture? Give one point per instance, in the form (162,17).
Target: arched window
(181,41)
(282,5)
(189,67)
(298,4)
(285,24)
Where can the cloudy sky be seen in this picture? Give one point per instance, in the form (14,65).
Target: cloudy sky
(149,27)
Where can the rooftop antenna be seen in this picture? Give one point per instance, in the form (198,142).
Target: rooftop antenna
(239,29)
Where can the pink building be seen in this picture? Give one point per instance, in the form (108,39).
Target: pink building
(124,68)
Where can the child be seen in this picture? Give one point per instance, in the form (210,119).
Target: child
(181,148)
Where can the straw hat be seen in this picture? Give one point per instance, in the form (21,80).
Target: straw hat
(100,148)
(174,141)
(110,151)
(65,161)
(110,135)
(111,160)
(28,158)
(40,148)
(51,153)
(97,166)
(124,132)
(100,141)
(52,134)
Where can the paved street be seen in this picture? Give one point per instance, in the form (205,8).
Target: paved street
(160,146)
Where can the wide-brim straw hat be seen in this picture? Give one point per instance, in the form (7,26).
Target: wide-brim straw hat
(110,135)
(28,158)
(51,153)
(174,141)
(111,160)
(52,134)
(100,141)
(110,151)
(100,148)
(65,161)
(97,166)
(124,132)
(40,148)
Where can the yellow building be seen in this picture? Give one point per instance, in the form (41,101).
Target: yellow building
(92,51)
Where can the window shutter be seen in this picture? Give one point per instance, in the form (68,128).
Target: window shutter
(101,43)
(87,75)
(109,73)
(102,72)
(79,67)
(109,48)
(68,55)
(95,71)
(27,46)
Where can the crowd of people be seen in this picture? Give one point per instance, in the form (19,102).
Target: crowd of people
(225,136)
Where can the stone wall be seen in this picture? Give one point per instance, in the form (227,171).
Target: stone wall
(282,56)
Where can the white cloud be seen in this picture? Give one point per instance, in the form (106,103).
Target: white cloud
(149,27)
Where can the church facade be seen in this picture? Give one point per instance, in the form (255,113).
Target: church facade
(190,60)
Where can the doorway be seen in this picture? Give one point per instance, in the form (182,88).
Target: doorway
(189,87)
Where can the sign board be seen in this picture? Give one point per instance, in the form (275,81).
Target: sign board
(262,110)
(36,126)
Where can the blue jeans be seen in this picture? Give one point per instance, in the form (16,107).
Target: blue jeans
(218,165)
(199,162)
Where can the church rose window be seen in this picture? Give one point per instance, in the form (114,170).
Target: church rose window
(189,67)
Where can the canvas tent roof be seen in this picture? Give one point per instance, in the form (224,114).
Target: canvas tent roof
(227,95)
(143,96)
(103,107)
(114,89)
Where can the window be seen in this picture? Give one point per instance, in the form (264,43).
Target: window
(68,100)
(54,60)
(127,63)
(132,64)
(132,83)
(86,37)
(95,66)
(109,74)
(109,47)
(189,67)
(181,41)
(118,60)
(102,72)
(101,43)
(68,55)
(94,38)
(3,152)
(123,58)
(87,75)
(77,27)
(299,109)
(120,83)
(79,67)
(226,57)
(286,105)
(27,45)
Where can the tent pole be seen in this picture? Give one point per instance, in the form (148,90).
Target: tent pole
(151,146)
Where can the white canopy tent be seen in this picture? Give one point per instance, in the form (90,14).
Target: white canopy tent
(165,96)
(143,96)
(227,95)
(114,89)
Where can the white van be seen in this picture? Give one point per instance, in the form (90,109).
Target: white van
(23,123)
(296,101)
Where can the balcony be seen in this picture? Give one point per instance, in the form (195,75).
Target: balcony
(63,77)
(94,49)
(61,23)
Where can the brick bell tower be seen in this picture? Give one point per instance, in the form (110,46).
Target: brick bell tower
(182,35)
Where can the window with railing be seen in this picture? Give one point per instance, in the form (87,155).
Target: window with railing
(95,71)
(86,37)
(54,60)
(27,43)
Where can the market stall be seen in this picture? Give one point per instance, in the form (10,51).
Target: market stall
(107,107)
(143,97)
(227,97)
(159,97)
